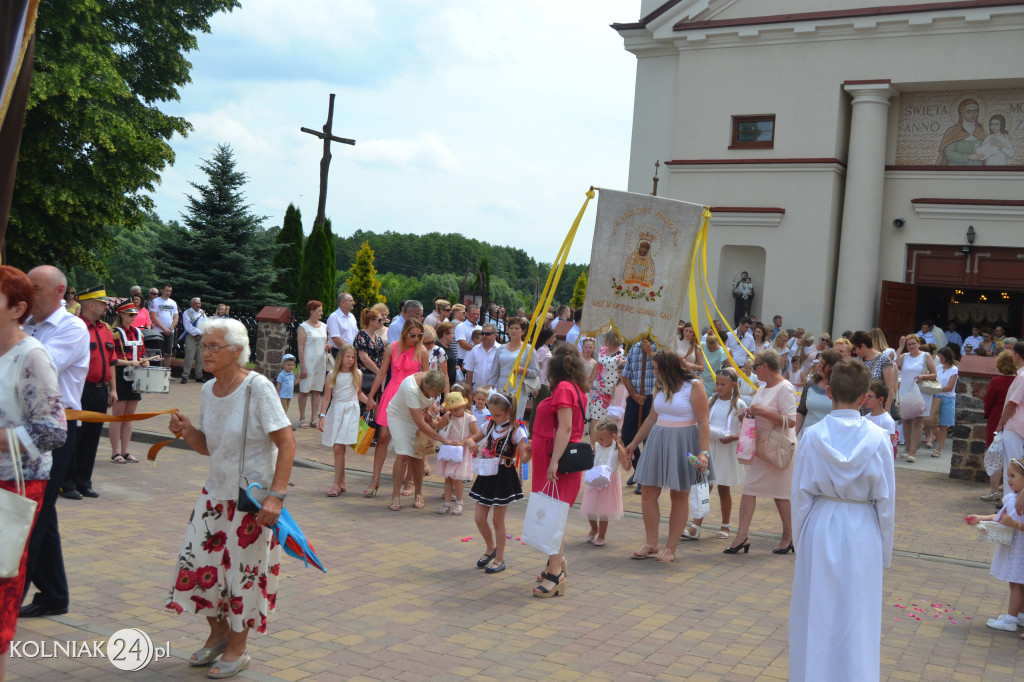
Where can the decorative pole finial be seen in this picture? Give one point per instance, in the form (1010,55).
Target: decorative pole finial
(657,164)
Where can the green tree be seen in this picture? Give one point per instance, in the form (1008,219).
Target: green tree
(362,283)
(95,141)
(503,294)
(397,288)
(316,281)
(288,259)
(331,251)
(437,285)
(579,291)
(225,253)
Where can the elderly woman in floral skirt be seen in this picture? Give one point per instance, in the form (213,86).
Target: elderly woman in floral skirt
(230,561)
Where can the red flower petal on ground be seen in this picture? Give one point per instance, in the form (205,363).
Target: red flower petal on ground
(202,603)
(216,542)
(207,576)
(186,580)
(249,532)
(236,605)
(176,606)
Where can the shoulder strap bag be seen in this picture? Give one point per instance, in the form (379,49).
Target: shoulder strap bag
(17,512)
(577,456)
(245,504)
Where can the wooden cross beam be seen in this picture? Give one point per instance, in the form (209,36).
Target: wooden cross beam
(325,160)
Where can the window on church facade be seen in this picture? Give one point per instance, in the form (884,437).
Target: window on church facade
(753,132)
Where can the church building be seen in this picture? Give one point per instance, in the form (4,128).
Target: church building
(864,159)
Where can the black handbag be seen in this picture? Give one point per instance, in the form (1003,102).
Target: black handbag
(577,456)
(245,504)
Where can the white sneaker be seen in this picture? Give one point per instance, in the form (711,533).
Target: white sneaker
(1004,622)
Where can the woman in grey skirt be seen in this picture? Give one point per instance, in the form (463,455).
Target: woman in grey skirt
(676,427)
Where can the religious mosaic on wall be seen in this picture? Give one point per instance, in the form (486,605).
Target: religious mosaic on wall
(961,128)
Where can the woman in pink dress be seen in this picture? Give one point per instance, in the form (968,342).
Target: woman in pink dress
(774,406)
(560,420)
(405,357)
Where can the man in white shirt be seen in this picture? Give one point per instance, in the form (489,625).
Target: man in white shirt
(193,340)
(973,342)
(479,360)
(442,309)
(410,309)
(464,332)
(163,311)
(797,334)
(67,339)
(341,325)
(562,314)
(740,339)
(573,335)
(952,335)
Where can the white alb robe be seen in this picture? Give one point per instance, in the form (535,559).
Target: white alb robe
(835,616)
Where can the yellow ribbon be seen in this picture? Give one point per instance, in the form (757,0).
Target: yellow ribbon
(94,417)
(699,272)
(515,381)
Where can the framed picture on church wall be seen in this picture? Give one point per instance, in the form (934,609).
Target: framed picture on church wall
(961,128)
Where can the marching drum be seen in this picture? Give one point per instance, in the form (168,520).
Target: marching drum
(149,379)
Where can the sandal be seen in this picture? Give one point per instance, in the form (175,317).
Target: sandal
(118,459)
(650,551)
(130,458)
(419,503)
(557,589)
(396,504)
(691,532)
(663,559)
(226,669)
(372,490)
(910,459)
(590,538)
(407,488)
(564,566)
(723,534)
(936,453)
(334,491)
(208,654)
(303,424)
(598,542)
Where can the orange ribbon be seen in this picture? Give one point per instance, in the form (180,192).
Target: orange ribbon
(94,417)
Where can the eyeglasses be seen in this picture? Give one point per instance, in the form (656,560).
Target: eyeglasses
(757,364)
(154,293)
(825,339)
(415,336)
(445,309)
(209,347)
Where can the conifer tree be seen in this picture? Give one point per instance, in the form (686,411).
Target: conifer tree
(288,259)
(224,253)
(579,291)
(363,283)
(316,281)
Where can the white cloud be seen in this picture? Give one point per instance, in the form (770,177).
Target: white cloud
(428,152)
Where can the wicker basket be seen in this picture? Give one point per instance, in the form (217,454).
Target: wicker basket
(993,531)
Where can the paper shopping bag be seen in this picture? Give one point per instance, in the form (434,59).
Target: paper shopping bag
(545,521)
(746,446)
(362,444)
(700,499)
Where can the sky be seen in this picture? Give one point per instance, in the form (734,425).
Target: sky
(490,119)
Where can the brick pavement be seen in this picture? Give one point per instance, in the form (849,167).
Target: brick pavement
(403,599)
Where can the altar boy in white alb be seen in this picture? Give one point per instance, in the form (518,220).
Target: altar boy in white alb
(844,498)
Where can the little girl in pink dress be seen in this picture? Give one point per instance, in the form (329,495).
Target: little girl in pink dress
(602,502)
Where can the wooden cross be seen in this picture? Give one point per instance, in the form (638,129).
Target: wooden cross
(325,160)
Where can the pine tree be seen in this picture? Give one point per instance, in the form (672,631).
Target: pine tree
(225,254)
(316,281)
(363,283)
(333,245)
(579,291)
(288,259)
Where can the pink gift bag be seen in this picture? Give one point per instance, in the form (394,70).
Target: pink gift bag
(747,443)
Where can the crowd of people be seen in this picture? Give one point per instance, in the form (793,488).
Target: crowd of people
(721,407)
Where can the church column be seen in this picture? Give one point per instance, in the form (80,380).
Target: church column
(857,286)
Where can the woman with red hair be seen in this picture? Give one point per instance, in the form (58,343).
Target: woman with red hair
(31,411)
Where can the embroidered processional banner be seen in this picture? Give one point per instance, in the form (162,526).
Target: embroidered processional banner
(640,265)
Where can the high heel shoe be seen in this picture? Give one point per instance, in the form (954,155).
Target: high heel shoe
(372,490)
(419,503)
(396,504)
(745,546)
(565,571)
(785,550)
(558,589)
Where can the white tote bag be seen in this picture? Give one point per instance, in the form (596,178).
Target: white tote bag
(545,521)
(911,402)
(994,455)
(700,499)
(16,514)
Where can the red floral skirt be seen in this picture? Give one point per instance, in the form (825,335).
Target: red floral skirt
(228,566)
(11,589)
